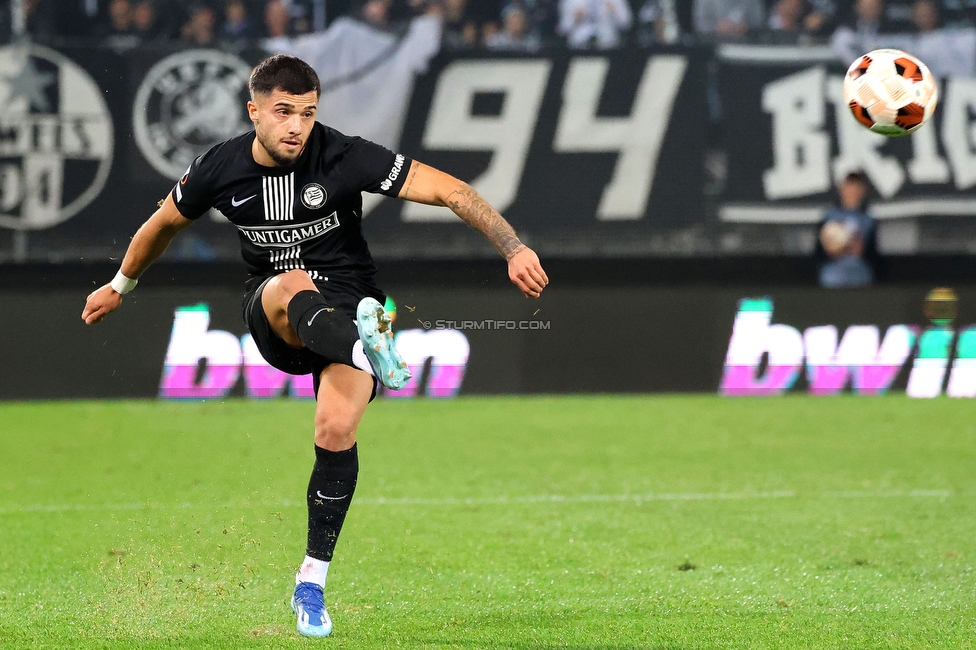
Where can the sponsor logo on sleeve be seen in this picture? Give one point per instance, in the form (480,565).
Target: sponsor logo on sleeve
(394,173)
(179,188)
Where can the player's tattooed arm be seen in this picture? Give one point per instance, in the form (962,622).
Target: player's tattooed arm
(475,211)
(427,185)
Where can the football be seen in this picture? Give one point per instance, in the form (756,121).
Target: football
(890,92)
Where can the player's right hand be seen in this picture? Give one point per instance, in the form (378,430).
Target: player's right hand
(100,303)
(525,272)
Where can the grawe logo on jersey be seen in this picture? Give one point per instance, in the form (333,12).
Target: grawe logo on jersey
(56,138)
(314,196)
(187,103)
(394,173)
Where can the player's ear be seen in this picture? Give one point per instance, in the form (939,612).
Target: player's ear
(252,111)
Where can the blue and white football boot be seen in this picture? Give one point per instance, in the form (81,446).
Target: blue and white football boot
(376,333)
(309,605)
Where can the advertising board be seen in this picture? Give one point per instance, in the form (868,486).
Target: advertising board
(190,343)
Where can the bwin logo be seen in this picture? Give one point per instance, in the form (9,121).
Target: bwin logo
(861,357)
(394,173)
(206,363)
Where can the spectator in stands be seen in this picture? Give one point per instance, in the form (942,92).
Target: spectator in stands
(301,16)
(947,52)
(120,31)
(542,15)
(460,30)
(145,22)
(847,241)
(515,35)
(200,28)
(727,19)
(925,16)
(657,22)
(798,20)
(787,16)
(820,16)
(594,23)
(277,19)
(237,29)
(861,33)
(489,30)
(376,13)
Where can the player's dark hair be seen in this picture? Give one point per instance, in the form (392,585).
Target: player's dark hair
(282,72)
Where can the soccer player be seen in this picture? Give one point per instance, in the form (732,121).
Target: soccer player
(292,187)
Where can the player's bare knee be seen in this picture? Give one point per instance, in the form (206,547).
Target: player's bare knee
(291,282)
(282,288)
(335,431)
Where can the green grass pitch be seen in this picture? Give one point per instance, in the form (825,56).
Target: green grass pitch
(596,523)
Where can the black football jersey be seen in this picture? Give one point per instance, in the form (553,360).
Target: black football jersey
(305,216)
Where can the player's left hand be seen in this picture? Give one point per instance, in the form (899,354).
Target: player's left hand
(525,271)
(100,303)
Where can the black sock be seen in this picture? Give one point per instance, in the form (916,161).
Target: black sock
(329,494)
(326,331)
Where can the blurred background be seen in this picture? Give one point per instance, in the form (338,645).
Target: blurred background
(686,169)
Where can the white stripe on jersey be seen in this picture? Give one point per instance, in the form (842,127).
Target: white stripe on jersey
(279,197)
(287,259)
(290,191)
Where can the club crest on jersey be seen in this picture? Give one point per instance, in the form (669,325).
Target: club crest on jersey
(314,196)
(187,103)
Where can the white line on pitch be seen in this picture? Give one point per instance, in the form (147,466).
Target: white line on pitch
(475,501)
(579,498)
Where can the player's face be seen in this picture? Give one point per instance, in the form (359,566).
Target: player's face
(283,122)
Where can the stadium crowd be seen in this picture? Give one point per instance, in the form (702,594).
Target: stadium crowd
(520,25)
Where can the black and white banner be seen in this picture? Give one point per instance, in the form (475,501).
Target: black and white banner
(585,154)
(789,135)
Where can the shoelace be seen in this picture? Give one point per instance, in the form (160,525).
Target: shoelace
(310,597)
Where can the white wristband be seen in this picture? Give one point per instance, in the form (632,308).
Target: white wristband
(122,284)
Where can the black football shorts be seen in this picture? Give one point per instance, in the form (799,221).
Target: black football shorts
(344,297)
